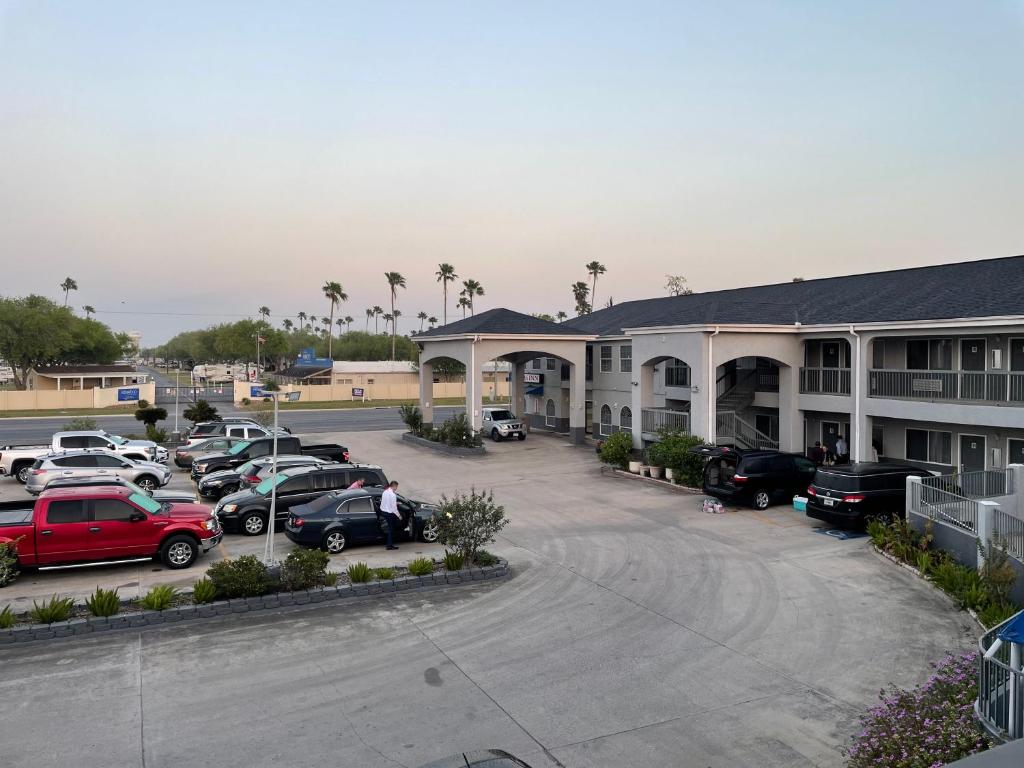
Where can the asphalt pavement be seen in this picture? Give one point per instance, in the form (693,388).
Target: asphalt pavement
(636,631)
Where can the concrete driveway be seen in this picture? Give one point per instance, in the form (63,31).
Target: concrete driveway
(636,631)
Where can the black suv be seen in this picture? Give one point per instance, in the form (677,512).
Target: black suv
(248,510)
(755,477)
(847,495)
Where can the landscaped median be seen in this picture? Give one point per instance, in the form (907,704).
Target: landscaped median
(360,581)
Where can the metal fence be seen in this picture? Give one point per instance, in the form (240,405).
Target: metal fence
(977,386)
(1009,532)
(653,419)
(1000,704)
(825,381)
(982,484)
(945,507)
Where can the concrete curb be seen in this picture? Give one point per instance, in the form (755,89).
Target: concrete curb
(914,570)
(451,450)
(93,624)
(656,482)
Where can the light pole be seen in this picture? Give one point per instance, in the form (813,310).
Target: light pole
(268,549)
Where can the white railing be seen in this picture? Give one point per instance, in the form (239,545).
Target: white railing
(977,386)
(825,381)
(1000,704)
(729,426)
(654,419)
(1009,532)
(982,484)
(945,507)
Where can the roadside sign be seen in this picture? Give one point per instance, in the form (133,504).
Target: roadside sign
(256,391)
(126,394)
(357,392)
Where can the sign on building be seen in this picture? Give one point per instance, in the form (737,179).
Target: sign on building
(358,392)
(127,394)
(533,378)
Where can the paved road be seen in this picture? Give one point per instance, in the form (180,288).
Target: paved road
(636,631)
(40,430)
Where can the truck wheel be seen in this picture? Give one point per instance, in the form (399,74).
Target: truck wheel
(252,524)
(522,436)
(20,472)
(179,551)
(147,483)
(227,490)
(430,532)
(334,542)
(495,436)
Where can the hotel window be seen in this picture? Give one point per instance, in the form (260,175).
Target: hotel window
(1016,452)
(677,373)
(606,420)
(606,359)
(929,354)
(626,358)
(930,446)
(549,414)
(549,363)
(626,419)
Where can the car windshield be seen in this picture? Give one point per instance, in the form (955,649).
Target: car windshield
(501,415)
(234,450)
(115,439)
(144,501)
(264,487)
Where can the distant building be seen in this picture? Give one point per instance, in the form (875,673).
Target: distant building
(83,377)
(362,373)
(136,338)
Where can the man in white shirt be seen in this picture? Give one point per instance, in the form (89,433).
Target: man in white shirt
(389,508)
(842,451)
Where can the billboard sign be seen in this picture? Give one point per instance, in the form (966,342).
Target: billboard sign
(308,356)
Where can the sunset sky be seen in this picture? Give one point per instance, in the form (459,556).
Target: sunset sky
(187,162)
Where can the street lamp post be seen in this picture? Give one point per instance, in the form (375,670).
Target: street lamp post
(268,549)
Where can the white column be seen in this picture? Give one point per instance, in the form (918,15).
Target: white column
(517,390)
(986,526)
(427,393)
(577,403)
(860,422)
(791,422)
(642,383)
(474,387)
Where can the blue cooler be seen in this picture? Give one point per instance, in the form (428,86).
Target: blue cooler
(800,503)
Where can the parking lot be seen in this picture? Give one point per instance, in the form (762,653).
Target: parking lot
(636,631)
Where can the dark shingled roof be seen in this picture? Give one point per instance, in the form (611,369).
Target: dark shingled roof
(988,288)
(79,370)
(302,371)
(503,321)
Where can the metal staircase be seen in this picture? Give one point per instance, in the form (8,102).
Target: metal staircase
(732,401)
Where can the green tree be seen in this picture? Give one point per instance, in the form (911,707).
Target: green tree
(288,324)
(88,311)
(676,285)
(580,291)
(464,303)
(348,323)
(335,294)
(264,313)
(369,313)
(302,320)
(594,269)
(421,316)
(67,286)
(200,411)
(377,312)
(471,289)
(561,316)
(431,321)
(445,274)
(395,281)
(34,331)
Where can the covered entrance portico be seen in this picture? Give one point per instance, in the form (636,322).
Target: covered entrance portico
(501,334)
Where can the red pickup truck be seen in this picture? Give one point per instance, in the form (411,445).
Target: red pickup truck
(102,523)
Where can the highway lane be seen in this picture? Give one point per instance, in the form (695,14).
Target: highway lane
(17,431)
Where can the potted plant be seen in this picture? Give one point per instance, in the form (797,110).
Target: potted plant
(655,460)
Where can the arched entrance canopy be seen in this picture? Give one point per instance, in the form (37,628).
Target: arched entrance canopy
(512,336)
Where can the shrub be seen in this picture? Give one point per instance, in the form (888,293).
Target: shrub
(330,579)
(996,613)
(8,563)
(103,602)
(263,414)
(383,574)
(997,574)
(304,568)
(674,452)
(453,561)
(159,598)
(484,558)
(617,450)
(7,618)
(150,415)
(57,608)
(421,566)
(931,725)
(203,591)
(412,417)
(155,434)
(243,576)
(200,411)
(246,401)
(81,424)
(467,522)
(458,431)
(359,573)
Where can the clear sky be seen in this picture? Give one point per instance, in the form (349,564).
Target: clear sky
(212,157)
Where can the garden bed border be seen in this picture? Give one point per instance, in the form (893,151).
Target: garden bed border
(97,625)
(654,481)
(451,450)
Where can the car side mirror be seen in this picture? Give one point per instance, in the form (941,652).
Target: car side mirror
(136,517)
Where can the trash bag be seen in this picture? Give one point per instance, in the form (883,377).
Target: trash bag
(713,506)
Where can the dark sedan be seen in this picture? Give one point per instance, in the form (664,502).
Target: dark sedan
(336,520)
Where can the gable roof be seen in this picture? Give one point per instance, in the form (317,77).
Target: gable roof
(503,321)
(970,289)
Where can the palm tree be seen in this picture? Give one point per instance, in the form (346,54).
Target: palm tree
(369,313)
(377,312)
(313,320)
(348,323)
(561,316)
(288,324)
(579,293)
(388,317)
(395,281)
(464,303)
(421,317)
(68,285)
(470,289)
(431,321)
(394,319)
(88,311)
(302,320)
(445,274)
(264,312)
(594,268)
(334,293)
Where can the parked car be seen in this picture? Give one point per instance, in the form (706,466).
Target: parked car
(92,481)
(17,460)
(146,474)
(186,454)
(755,477)
(228,481)
(848,494)
(499,423)
(77,525)
(248,511)
(252,449)
(336,520)
(488,758)
(246,430)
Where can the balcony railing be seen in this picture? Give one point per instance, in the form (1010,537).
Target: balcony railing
(825,381)
(979,484)
(653,419)
(1000,704)
(976,386)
